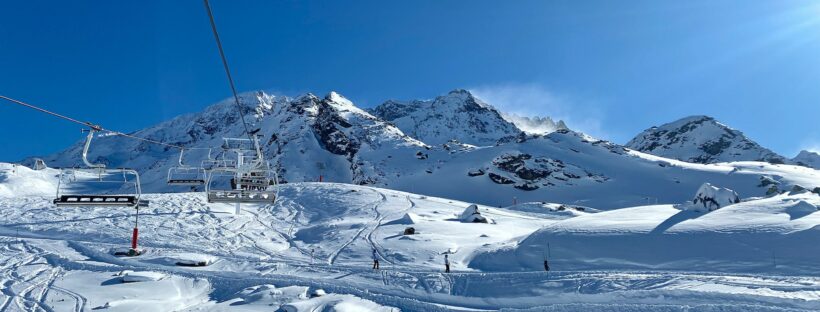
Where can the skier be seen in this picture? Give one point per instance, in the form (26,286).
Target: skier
(546,265)
(375,259)
(446,264)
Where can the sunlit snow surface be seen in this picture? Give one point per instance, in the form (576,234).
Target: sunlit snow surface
(758,255)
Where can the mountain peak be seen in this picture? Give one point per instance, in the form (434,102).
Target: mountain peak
(701,139)
(457,115)
(338,98)
(807,159)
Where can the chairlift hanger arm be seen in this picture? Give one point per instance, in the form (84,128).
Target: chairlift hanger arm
(88,139)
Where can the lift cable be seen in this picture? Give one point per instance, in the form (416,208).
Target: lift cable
(227,69)
(89,124)
(84,123)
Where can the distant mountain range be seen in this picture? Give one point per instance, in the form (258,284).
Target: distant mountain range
(453,146)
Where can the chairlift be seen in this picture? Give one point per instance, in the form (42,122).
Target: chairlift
(251,180)
(217,163)
(69,176)
(186,175)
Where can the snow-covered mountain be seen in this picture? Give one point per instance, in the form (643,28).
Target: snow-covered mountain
(808,159)
(456,116)
(307,137)
(303,137)
(701,139)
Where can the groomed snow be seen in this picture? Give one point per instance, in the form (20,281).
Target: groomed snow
(757,255)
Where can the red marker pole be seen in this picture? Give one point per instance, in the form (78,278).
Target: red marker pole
(320,178)
(134,239)
(135,234)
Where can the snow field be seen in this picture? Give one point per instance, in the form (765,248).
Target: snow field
(320,236)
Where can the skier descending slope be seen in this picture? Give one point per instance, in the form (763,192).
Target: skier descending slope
(446,264)
(375,259)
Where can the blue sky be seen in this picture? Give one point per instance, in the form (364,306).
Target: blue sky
(610,68)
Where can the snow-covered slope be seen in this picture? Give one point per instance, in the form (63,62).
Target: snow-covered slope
(568,167)
(758,235)
(742,257)
(701,139)
(808,159)
(456,116)
(16,180)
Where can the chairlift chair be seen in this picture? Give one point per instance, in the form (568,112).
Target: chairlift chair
(106,200)
(251,178)
(246,187)
(186,175)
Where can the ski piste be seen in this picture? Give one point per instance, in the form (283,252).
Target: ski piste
(608,260)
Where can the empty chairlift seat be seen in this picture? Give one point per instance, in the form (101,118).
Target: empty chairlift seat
(186,176)
(101,181)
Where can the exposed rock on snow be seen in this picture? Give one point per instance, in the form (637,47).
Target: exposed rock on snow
(531,171)
(476,172)
(710,198)
(701,139)
(471,215)
(500,179)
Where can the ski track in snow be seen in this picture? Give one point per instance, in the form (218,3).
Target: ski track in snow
(259,247)
(584,282)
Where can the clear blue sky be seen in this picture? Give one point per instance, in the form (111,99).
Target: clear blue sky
(611,68)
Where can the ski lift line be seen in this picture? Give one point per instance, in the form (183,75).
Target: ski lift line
(227,69)
(88,124)
(84,123)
